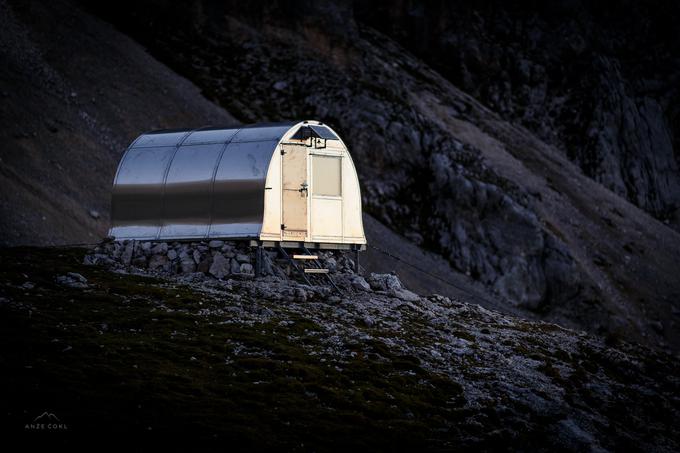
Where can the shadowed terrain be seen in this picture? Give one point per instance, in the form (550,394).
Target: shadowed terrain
(270,363)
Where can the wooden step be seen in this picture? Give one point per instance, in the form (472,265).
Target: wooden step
(305,257)
(313,270)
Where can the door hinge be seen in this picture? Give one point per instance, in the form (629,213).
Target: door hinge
(283,227)
(283,152)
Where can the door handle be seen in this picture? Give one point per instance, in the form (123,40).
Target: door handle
(304,188)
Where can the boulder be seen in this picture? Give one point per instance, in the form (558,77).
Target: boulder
(404,294)
(77,276)
(220,266)
(215,244)
(160,249)
(246,268)
(384,282)
(235,266)
(126,255)
(158,261)
(145,248)
(187,266)
(243,258)
(331,264)
(360,283)
(72,280)
(98,258)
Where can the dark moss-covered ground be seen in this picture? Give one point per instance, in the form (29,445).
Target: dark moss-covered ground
(106,360)
(157,359)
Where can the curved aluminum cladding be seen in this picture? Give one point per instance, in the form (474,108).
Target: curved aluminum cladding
(194,184)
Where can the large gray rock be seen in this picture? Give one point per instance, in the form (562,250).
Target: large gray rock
(159,249)
(360,283)
(243,258)
(384,282)
(145,248)
(187,265)
(72,280)
(76,276)
(331,264)
(404,294)
(98,259)
(220,266)
(158,262)
(246,268)
(126,255)
(215,244)
(197,256)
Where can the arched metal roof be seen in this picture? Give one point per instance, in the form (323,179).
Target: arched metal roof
(201,183)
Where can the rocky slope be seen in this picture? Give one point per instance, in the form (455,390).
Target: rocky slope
(597,80)
(438,167)
(50,107)
(73,94)
(502,207)
(159,341)
(269,363)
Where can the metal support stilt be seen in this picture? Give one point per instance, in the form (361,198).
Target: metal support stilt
(356,262)
(258,261)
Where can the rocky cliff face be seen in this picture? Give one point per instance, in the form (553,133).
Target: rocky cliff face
(446,172)
(597,80)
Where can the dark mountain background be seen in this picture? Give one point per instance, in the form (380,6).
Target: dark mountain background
(597,80)
(524,150)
